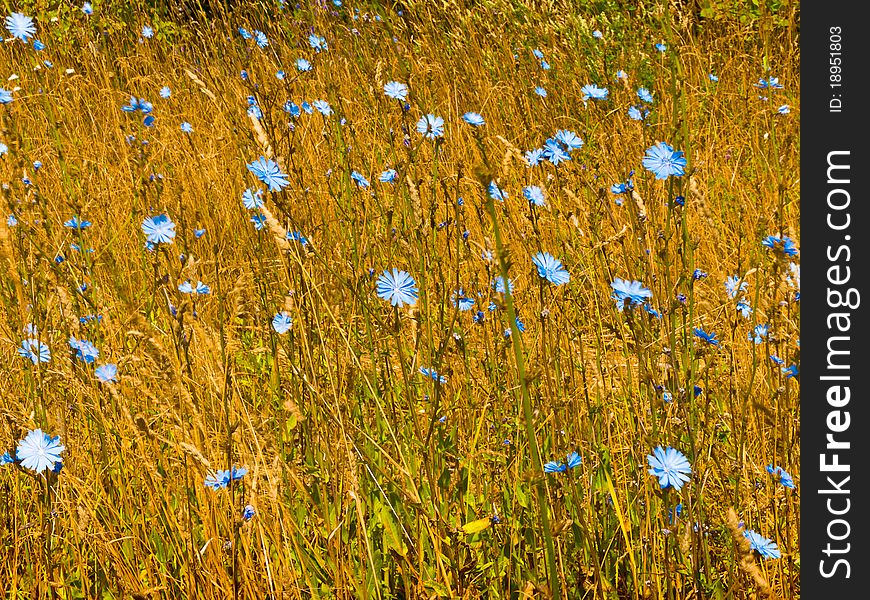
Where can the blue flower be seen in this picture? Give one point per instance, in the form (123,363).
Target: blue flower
(713,78)
(159,229)
(496,192)
(360,180)
(758,333)
(669,466)
(87,8)
(198,233)
(292,108)
(396,90)
(731,286)
(472,118)
(593,92)
(633,292)
(534,157)
(107,373)
(791,371)
(555,466)
(317,43)
(147,32)
(388,176)
(303,65)
(282,322)
(75,223)
(186,127)
(707,337)
(573,460)
(499,286)
(433,374)
(261,39)
(307,108)
(222,479)
(535,195)
(554,153)
(84,350)
(323,107)
(661,47)
(252,199)
(398,287)
(770,83)
(268,171)
(636,114)
(538,54)
(296,236)
(20,26)
(664,161)
(6,459)
(37,45)
(39,451)
(244,33)
(744,309)
(165,92)
(248,512)
(430,126)
(259,221)
(597,35)
(785,244)
(550,268)
(784,478)
(461,301)
(541,92)
(645,95)
(570,139)
(784,109)
(765,547)
(5,96)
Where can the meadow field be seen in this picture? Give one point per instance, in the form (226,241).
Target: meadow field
(394,300)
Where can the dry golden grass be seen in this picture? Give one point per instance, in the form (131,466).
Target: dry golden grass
(359,489)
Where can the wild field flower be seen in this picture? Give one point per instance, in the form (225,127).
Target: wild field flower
(84,350)
(784,478)
(223,479)
(645,95)
(39,451)
(669,466)
(765,547)
(710,338)
(268,172)
(388,176)
(147,32)
(252,199)
(20,26)
(472,118)
(461,301)
(498,284)
(396,90)
(593,92)
(34,350)
(496,193)
(282,322)
(107,373)
(159,229)
(397,287)
(433,374)
(430,126)
(76,223)
(632,292)
(550,268)
(664,161)
(534,195)
(758,333)
(734,286)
